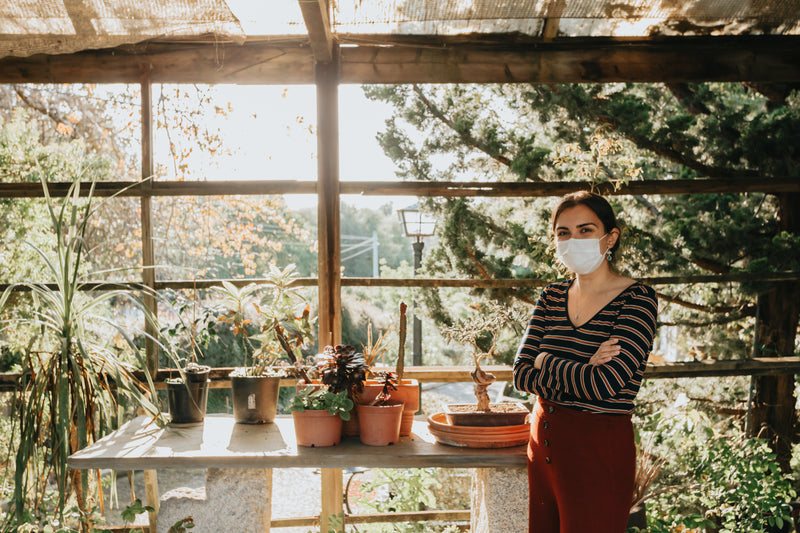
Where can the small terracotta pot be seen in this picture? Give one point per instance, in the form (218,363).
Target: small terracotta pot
(317,428)
(379,425)
(407,392)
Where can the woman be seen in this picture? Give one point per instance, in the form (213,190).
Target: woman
(584,354)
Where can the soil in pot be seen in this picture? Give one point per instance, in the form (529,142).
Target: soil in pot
(255,398)
(379,425)
(187,401)
(499,414)
(317,428)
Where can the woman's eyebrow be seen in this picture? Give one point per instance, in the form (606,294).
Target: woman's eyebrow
(578,226)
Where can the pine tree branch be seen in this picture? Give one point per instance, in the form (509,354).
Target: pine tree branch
(669,153)
(743,310)
(702,262)
(688,99)
(465,136)
(594,113)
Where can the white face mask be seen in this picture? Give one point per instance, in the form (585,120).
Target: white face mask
(582,256)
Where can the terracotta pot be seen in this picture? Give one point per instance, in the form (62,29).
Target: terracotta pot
(379,425)
(255,398)
(407,392)
(317,428)
(477,436)
(187,401)
(499,414)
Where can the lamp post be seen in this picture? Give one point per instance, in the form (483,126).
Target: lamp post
(417,225)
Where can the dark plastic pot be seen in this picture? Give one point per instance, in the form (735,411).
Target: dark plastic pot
(255,398)
(638,517)
(187,401)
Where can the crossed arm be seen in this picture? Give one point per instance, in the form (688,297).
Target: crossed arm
(608,370)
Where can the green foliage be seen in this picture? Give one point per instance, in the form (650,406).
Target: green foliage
(398,491)
(713,476)
(129,513)
(313,398)
(68,402)
(610,133)
(182,525)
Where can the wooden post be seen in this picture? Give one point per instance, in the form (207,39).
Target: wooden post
(328,230)
(148,262)
(151,497)
(148,254)
(332,498)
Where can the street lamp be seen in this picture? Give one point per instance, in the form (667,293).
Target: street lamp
(417,225)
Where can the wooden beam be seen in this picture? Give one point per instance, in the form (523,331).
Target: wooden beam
(501,283)
(318,24)
(455,515)
(546,189)
(166,188)
(414,188)
(328,225)
(466,59)
(760,366)
(146,218)
(286,62)
(552,19)
(580,61)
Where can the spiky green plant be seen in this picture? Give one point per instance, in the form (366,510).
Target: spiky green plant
(71,396)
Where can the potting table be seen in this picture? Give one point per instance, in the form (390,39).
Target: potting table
(224,448)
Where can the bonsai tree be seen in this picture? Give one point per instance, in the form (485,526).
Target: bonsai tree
(482,332)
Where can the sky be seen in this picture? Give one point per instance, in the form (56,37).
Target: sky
(271,133)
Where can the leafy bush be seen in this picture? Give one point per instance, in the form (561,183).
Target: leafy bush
(715,478)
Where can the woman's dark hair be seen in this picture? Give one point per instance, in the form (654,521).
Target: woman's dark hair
(597,204)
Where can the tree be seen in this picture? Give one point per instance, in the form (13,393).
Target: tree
(206,237)
(619,132)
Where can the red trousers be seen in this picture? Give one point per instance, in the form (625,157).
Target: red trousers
(581,468)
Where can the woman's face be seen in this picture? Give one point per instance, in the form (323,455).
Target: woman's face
(580,222)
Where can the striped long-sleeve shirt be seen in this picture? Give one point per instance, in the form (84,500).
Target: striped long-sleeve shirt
(566,377)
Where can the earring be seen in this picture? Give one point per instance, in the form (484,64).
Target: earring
(610,256)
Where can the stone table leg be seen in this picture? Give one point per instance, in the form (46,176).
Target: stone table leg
(499,500)
(234,499)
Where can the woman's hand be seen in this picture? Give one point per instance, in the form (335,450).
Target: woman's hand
(537,363)
(605,352)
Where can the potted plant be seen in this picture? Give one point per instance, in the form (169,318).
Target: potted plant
(407,390)
(318,414)
(342,368)
(256,385)
(187,393)
(75,375)
(379,420)
(482,332)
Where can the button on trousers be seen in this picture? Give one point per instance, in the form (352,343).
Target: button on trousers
(581,468)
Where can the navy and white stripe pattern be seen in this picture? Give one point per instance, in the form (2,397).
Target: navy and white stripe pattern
(566,376)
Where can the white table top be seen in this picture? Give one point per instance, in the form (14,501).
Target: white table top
(221,443)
